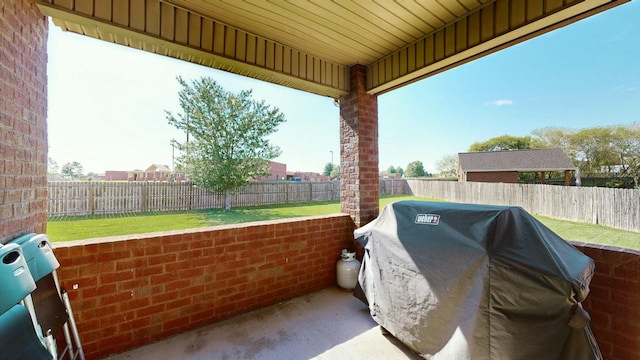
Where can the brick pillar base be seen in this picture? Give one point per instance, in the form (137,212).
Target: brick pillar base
(359,174)
(23,114)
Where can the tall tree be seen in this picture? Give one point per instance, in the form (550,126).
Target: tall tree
(335,172)
(448,165)
(555,137)
(505,142)
(52,167)
(415,169)
(72,170)
(391,169)
(228,133)
(592,149)
(626,145)
(327,169)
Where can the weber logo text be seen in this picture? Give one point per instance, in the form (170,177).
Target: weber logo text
(427,219)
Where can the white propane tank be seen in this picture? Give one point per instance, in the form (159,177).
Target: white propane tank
(348,268)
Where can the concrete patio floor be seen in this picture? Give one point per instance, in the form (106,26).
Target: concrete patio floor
(328,324)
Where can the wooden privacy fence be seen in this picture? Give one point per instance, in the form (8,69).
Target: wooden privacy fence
(617,208)
(105,197)
(89,198)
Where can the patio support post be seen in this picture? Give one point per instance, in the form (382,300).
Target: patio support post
(23,116)
(359,174)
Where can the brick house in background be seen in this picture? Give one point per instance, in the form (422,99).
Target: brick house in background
(160,172)
(306,176)
(155,172)
(504,166)
(278,172)
(115,175)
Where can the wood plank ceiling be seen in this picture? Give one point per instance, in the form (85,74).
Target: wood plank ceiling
(311,44)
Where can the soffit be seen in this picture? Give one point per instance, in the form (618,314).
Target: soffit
(311,44)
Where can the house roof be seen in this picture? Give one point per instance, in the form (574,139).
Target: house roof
(311,45)
(515,160)
(159,167)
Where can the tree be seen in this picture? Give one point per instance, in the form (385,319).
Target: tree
(335,172)
(391,170)
(592,149)
(327,169)
(52,167)
(415,169)
(448,165)
(400,170)
(554,137)
(228,133)
(505,142)
(71,170)
(626,143)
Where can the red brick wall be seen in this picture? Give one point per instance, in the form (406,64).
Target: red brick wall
(497,177)
(614,300)
(359,183)
(136,289)
(23,111)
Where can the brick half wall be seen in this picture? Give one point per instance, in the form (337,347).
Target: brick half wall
(129,291)
(614,300)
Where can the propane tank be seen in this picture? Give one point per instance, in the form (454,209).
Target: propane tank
(348,268)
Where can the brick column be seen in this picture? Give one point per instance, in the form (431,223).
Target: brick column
(23,114)
(359,174)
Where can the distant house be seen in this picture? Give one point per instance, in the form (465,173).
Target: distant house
(155,172)
(306,176)
(278,171)
(387,175)
(504,166)
(116,175)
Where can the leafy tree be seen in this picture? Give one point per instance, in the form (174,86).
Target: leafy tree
(327,169)
(448,165)
(505,142)
(52,167)
(400,170)
(391,170)
(415,169)
(335,172)
(228,132)
(592,149)
(554,137)
(71,170)
(626,144)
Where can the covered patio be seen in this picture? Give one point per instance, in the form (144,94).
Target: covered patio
(327,324)
(131,291)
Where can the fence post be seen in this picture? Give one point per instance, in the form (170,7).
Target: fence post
(145,197)
(286,193)
(91,198)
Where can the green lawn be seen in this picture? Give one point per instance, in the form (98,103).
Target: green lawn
(85,227)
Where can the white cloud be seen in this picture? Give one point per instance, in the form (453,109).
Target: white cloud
(502,102)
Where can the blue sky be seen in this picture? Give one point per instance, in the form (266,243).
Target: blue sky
(106,102)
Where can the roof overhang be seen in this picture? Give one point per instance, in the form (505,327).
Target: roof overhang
(311,45)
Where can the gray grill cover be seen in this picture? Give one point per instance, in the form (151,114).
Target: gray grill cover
(461,281)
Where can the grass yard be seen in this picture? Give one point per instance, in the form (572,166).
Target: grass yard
(85,227)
